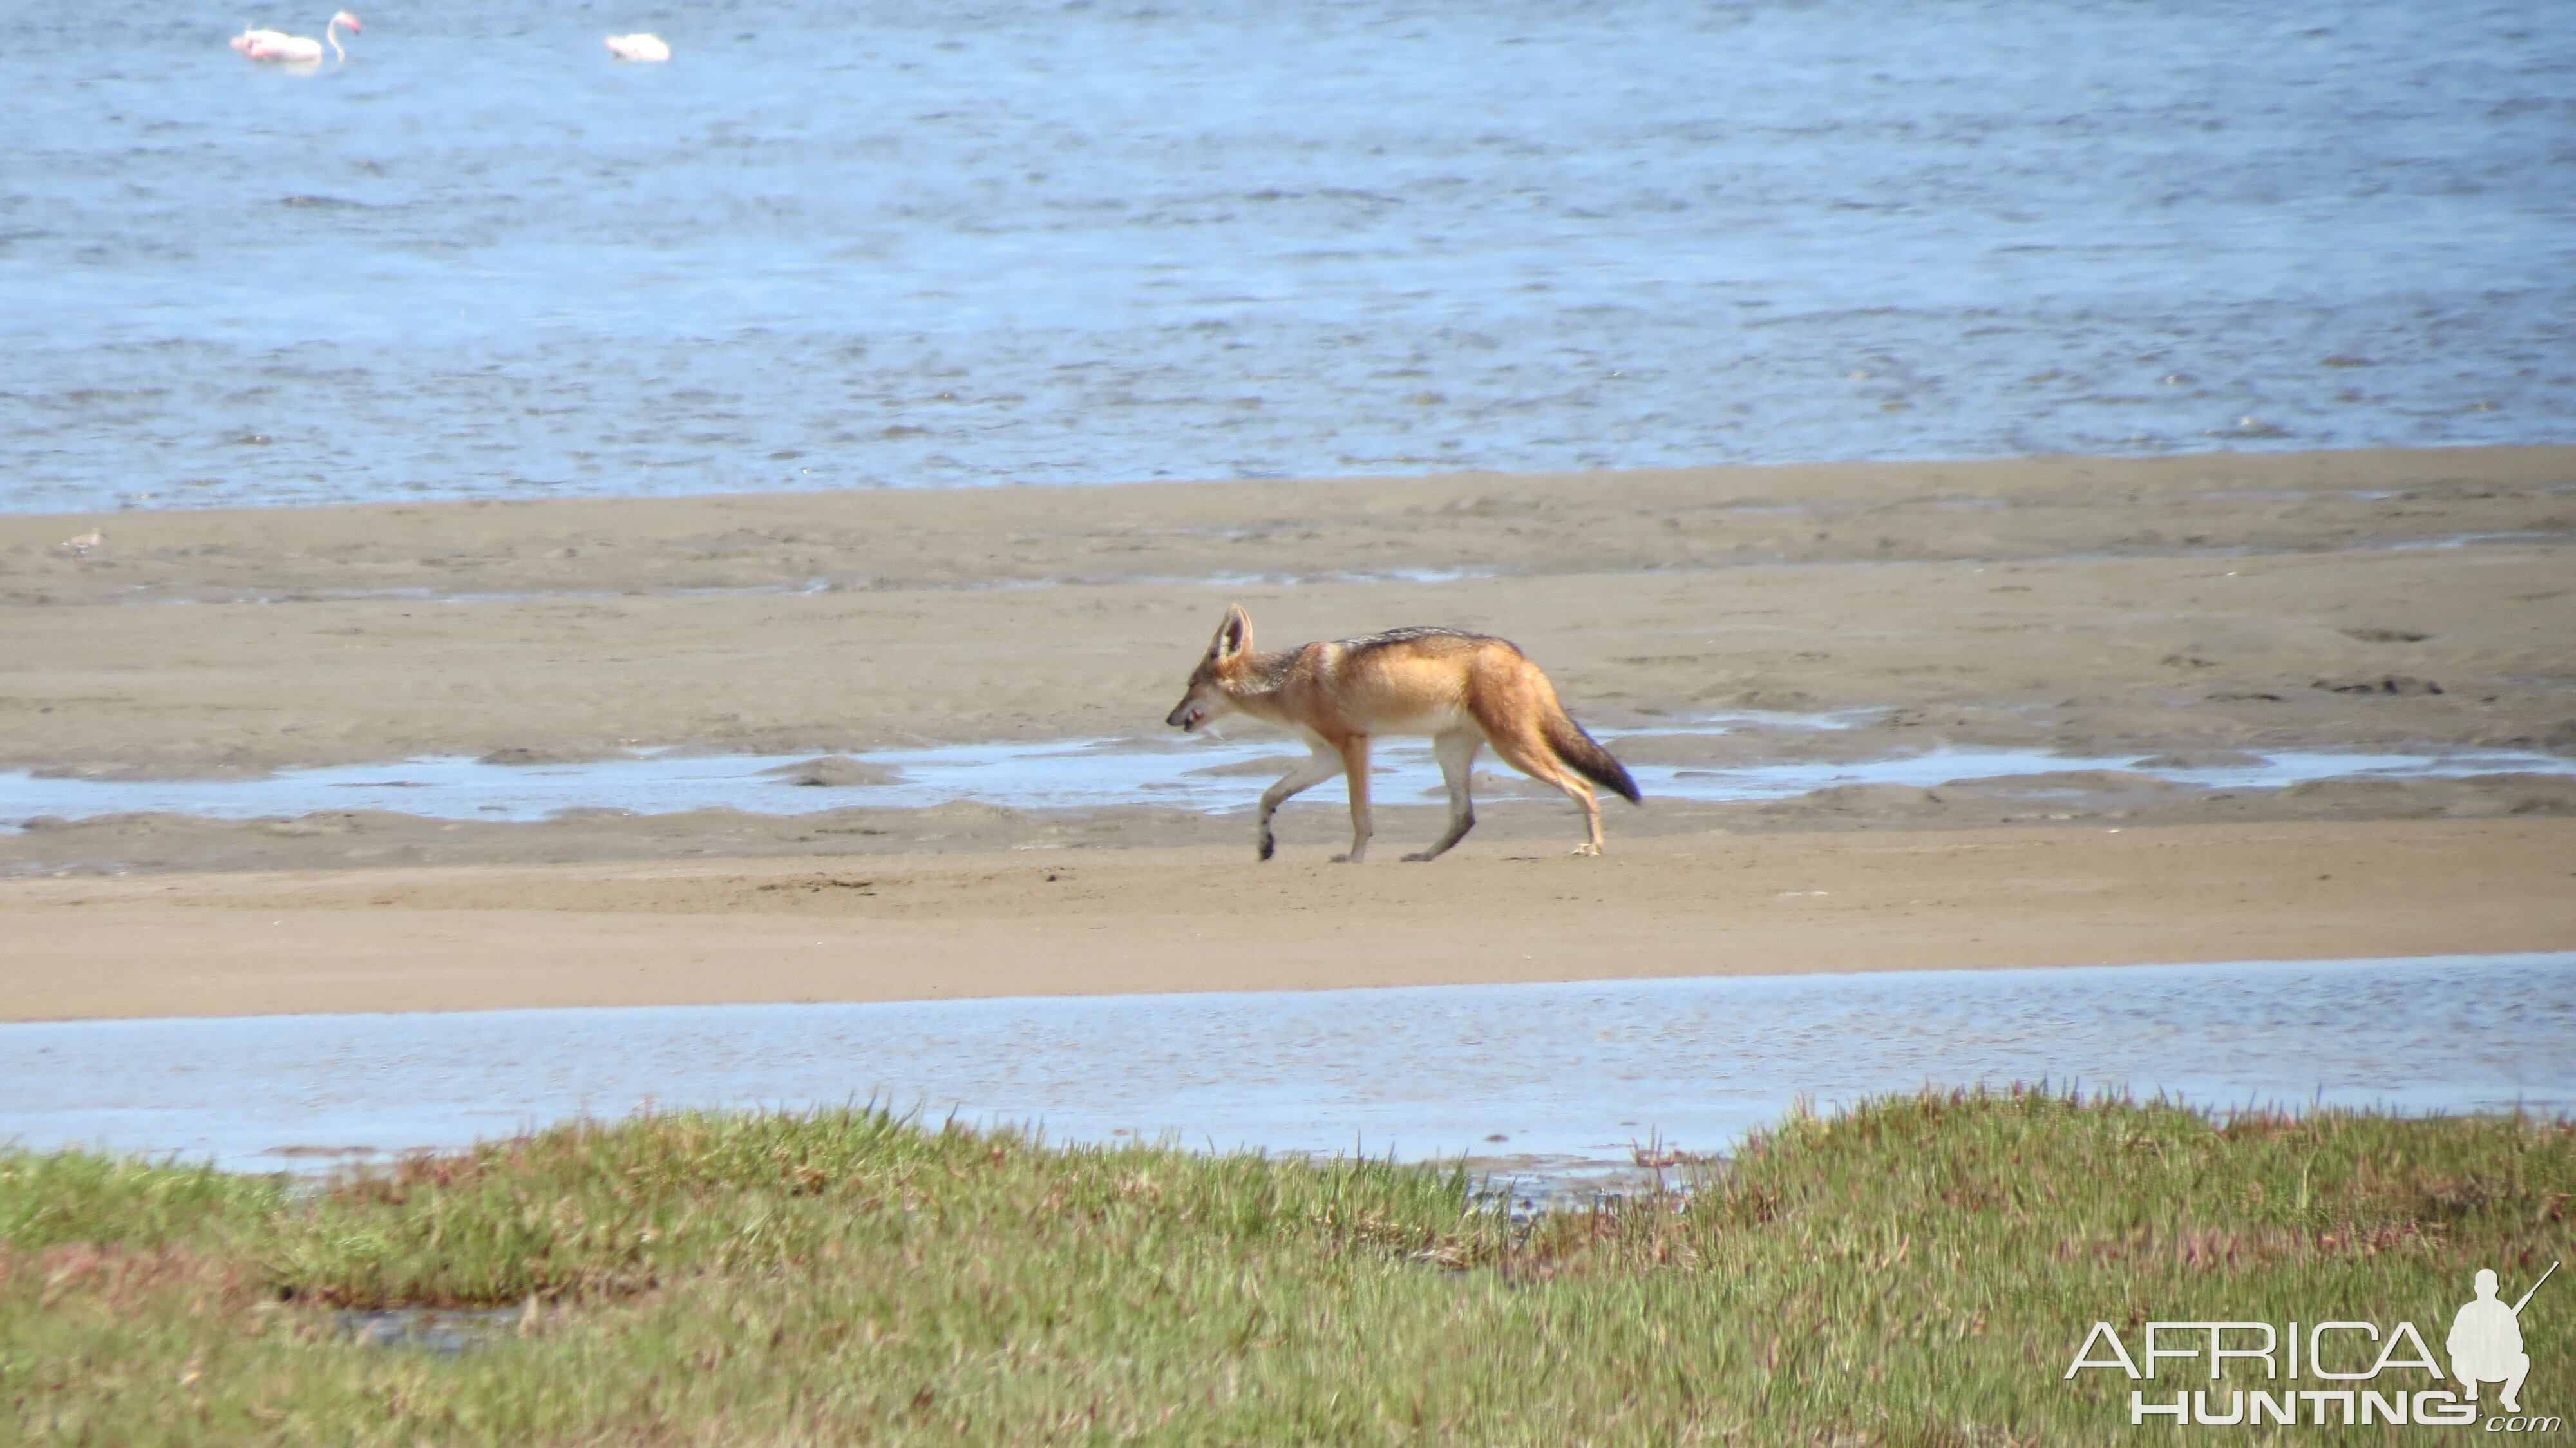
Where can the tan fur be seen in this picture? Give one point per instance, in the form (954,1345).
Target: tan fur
(1464,690)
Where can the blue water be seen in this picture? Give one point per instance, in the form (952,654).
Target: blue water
(1574,1070)
(1203,774)
(855,244)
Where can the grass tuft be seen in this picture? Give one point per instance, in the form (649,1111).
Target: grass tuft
(1915,1271)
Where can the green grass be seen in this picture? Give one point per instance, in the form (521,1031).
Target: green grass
(1919,1271)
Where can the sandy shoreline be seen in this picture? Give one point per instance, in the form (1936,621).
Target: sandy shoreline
(2369,600)
(2168,601)
(1205,918)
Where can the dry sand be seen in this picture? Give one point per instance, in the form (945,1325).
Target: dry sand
(1207,918)
(2093,607)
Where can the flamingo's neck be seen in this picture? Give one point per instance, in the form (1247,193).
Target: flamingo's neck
(331,32)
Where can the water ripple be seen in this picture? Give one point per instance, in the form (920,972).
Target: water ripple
(841,246)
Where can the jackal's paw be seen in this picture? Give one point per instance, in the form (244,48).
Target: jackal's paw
(1267,848)
(1587,851)
(1346,859)
(1418,856)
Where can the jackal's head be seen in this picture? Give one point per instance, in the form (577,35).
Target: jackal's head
(1207,697)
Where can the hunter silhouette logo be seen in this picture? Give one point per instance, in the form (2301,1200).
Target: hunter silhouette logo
(2486,1342)
(2361,1375)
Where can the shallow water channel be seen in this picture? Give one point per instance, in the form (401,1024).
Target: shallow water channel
(1209,775)
(1548,1077)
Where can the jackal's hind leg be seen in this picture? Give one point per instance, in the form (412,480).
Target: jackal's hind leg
(1355,768)
(1535,759)
(1582,795)
(1456,751)
(1321,766)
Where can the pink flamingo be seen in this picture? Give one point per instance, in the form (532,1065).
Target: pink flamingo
(638,46)
(277,45)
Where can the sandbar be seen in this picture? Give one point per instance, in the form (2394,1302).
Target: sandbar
(2214,603)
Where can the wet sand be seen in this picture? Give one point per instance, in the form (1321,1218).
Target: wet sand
(2168,602)
(2185,605)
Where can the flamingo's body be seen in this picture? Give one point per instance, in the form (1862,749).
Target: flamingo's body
(638,47)
(285,49)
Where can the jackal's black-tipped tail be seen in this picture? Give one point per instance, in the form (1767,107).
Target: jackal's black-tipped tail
(1586,757)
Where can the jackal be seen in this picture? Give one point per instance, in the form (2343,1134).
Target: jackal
(1462,689)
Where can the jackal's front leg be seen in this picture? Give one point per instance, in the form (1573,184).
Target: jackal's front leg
(1321,766)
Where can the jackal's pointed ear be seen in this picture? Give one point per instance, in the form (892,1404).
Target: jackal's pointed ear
(1234,636)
